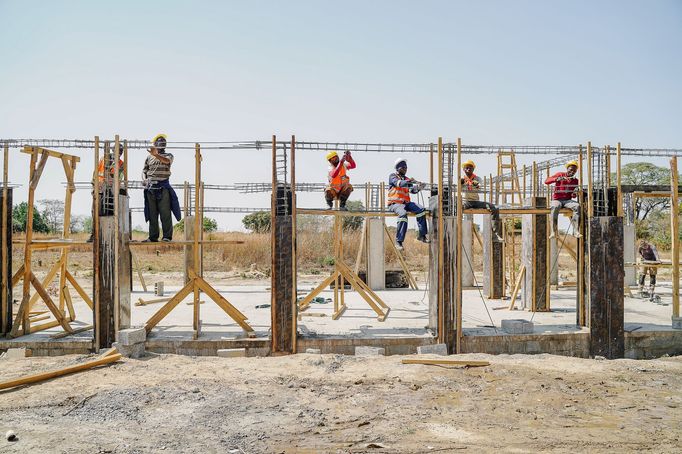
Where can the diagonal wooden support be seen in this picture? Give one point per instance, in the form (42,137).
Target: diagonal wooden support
(365,292)
(79,289)
(18,276)
(47,280)
(305,302)
(168,307)
(225,305)
(38,172)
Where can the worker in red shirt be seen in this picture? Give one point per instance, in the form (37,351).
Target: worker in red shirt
(565,187)
(339,182)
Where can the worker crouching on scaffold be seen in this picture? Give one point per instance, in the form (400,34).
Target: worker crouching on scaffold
(649,256)
(339,182)
(565,188)
(400,187)
(105,188)
(471,184)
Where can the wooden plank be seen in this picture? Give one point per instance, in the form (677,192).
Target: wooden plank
(36,378)
(517,286)
(38,172)
(675,236)
(458,255)
(19,275)
(54,154)
(224,304)
(139,271)
(305,302)
(79,289)
(6,245)
(50,304)
(47,279)
(168,307)
(445,362)
(62,335)
(177,243)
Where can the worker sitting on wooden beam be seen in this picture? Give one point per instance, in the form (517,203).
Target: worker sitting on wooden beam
(400,186)
(565,188)
(339,182)
(649,256)
(471,184)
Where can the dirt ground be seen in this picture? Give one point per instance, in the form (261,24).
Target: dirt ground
(334,403)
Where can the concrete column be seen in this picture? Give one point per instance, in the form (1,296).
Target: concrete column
(629,254)
(376,265)
(534,257)
(283,275)
(493,262)
(5,281)
(605,283)
(554,261)
(467,250)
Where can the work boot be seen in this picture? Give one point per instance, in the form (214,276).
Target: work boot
(330,205)
(399,246)
(423,239)
(149,240)
(552,232)
(577,235)
(343,207)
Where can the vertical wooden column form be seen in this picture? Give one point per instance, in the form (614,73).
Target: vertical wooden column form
(534,257)
(675,236)
(6,246)
(196,254)
(606,278)
(283,251)
(581,288)
(458,252)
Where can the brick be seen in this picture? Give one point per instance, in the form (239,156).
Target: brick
(434,349)
(231,352)
(130,351)
(369,351)
(313,350)
(16,353)
(517,326)
(132,336)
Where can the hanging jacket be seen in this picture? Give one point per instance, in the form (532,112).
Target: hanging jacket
(156,188)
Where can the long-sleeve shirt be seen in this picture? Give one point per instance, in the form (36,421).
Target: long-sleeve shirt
(395,180)
(471,186)
(564,187)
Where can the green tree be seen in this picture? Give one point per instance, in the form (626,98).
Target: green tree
(258,222)
(210,225)
(645,173)
(20,214)
(351,223)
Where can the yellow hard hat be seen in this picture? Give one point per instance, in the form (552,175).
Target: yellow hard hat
(160,136)
(468,163)
(331,154)
(572,163)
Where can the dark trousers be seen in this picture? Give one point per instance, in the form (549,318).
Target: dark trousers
(159,206)
(494,212)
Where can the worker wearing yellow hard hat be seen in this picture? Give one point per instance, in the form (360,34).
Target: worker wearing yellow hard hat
(471,187)
(339,187)
(160,199)
(565,188)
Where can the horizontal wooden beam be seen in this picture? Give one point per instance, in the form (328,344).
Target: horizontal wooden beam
(180,243)
(52,153)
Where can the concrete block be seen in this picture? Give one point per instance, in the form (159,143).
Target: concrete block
(435,349)
(231,352)
(16,353)
(132,336)
(677,322)
(369,351)
(130,351)
(313,350)
(517,326)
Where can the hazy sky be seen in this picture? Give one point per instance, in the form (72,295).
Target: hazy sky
(524,72)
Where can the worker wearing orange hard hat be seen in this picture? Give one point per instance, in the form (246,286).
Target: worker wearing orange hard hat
(565,187)
(471,186)
(339,187)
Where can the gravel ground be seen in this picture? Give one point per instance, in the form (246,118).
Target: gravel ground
(334,403)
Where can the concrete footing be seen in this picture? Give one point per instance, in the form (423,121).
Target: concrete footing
(376,265)
(517,326)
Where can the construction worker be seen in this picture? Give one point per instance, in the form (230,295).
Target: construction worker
(649,256)
(104,188)
(565,187)
(160,199)
(471,184)
(339,183)
(400,187)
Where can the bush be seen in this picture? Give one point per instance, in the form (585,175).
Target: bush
(210,225)
(258,222)
(351,223)
(20,214)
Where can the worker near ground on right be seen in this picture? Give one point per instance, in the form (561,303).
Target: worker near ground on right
(339,187)
(400,186)
(649,256)
(471,184)
(565,188)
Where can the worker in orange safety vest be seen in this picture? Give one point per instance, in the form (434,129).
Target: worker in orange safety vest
(339,186)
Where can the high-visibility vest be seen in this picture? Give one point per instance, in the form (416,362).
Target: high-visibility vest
(399,194)
(100,170)
(341,180)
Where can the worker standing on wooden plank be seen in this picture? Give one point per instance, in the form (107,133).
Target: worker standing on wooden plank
(160,199)
(565,187)
(339,182)
(649,256)
(400,187)
(471,184)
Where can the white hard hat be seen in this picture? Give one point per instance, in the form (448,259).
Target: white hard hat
(399,160)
